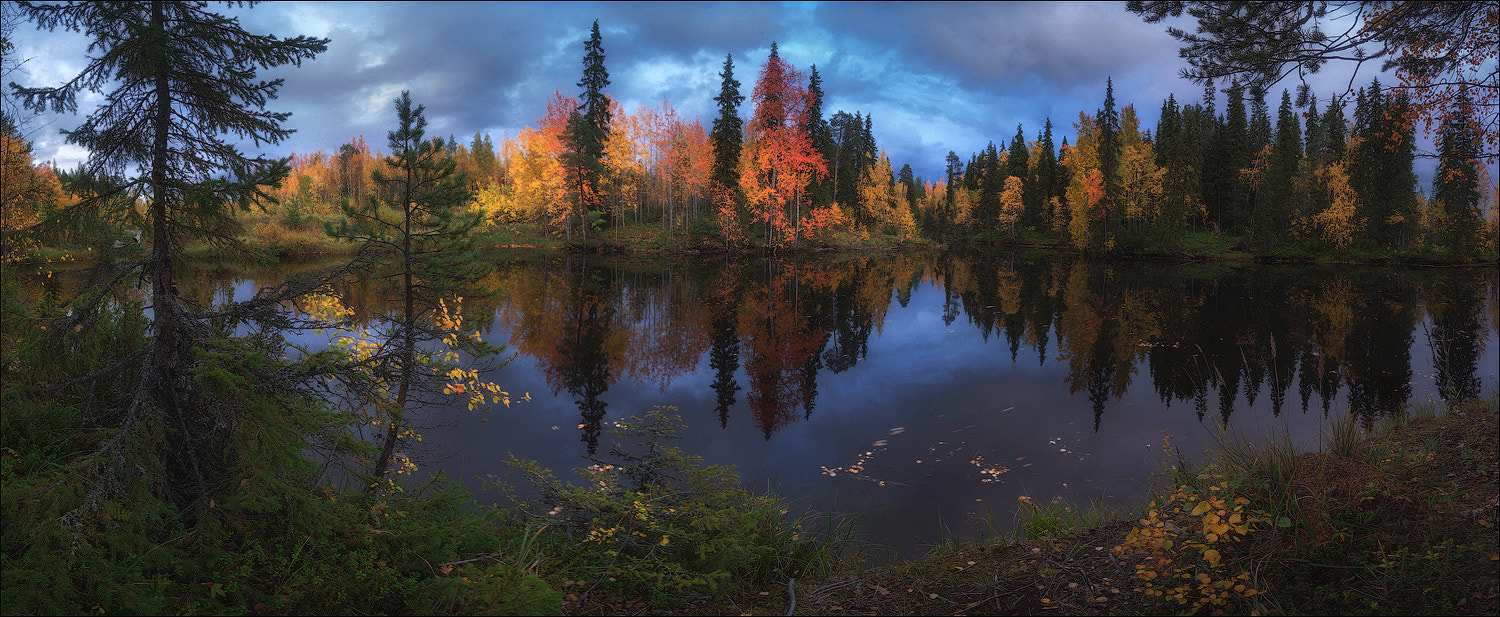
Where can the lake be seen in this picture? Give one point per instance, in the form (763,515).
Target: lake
(929,394)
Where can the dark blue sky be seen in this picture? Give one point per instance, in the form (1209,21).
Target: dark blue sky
(934,76)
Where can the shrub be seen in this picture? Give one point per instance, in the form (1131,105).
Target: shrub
(652,517)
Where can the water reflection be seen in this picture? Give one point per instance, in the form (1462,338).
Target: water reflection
(944,387)
(1206,337)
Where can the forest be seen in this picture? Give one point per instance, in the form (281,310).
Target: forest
(169,449)
(1297,183)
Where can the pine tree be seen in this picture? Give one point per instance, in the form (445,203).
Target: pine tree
(182,79)
(417,229)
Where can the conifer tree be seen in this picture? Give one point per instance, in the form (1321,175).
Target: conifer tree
(1018,158)
(990,179)
(727,136)
(181,83)
(587,135)
(820,191)
(1108,121)
(1455,186)
(1043,180)
(417,230)
(1276,202)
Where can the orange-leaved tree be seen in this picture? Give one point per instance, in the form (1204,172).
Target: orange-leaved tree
(780,157)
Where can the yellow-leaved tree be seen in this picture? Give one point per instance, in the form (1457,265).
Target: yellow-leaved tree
(1085,194)
(1338,222)
(1011,204)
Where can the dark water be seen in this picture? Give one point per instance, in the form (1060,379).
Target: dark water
(929,394)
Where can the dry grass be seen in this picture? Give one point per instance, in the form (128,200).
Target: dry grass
(1408,526)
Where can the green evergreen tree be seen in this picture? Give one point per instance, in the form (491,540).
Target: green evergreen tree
(1260,122)
(181,81)
(1232,151)
(1276,201)
(1384,176)
(820,190)
(991,175)
(727,134)
(954,171)
(587,136)
(1455,186)
(485,163)
(1313,135)
(1018,157)
(850,144)
(1042,183)
(413,235)
(1108,121)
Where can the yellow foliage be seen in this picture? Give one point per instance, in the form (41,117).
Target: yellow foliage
(1181,546)
(1338,221)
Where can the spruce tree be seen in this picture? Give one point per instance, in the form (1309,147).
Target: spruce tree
(181,81)
(1276,202)
(727,134)
(586,137)
(1455,186)
(820,188)
(1018,158)
(1042,181)
(1108,122)
(991,178)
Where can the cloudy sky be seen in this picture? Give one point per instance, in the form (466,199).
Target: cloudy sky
(935,77)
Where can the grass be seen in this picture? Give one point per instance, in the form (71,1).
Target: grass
(1396,518)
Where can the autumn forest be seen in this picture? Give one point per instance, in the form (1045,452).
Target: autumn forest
(353,378)
(1294,183)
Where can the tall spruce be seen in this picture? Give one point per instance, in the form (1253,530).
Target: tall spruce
(1108,122)
(588,134)
(1043,178)
(1277,202)
(820,188)
(727,135)
(1455,187)
(1018,157)
(1384,176)
(181,81)
(991,179)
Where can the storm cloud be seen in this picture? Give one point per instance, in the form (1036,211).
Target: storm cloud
(935,77)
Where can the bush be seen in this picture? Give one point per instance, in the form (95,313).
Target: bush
(652,517)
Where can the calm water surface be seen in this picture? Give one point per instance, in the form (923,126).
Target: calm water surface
(930,394)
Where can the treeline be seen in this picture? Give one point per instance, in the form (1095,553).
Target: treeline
(1301,183)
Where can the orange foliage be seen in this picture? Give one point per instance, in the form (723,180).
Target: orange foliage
(781,159)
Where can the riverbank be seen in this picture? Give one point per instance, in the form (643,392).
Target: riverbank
(1402,521)
(267,240)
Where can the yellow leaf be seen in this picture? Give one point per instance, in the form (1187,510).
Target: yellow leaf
(1202,507)
(1211,555)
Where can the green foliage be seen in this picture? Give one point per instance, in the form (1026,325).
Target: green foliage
(651,517)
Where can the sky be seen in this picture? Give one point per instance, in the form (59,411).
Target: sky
(934,76)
